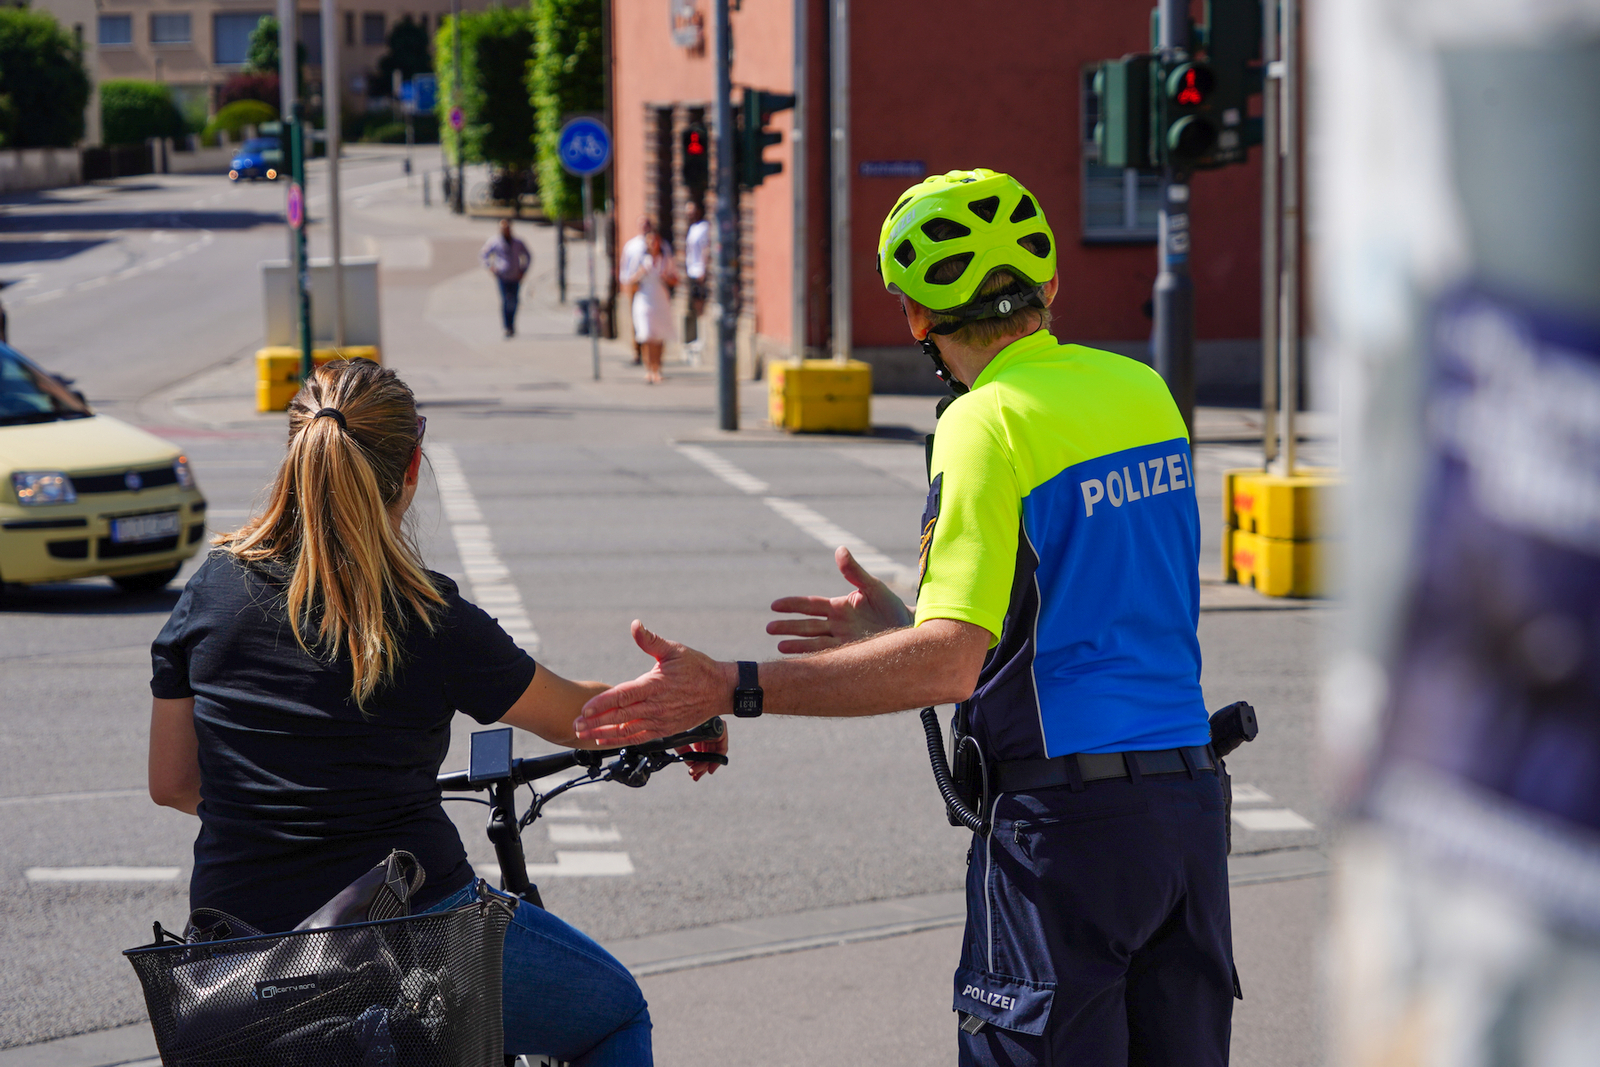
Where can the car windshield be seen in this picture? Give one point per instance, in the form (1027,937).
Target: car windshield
(261,144)
(29,394)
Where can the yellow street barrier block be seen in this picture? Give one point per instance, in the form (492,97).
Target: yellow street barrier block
(1297,507)
(1276,567)
(820,396)
(278,367)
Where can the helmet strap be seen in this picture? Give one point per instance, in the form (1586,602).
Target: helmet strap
(942,370)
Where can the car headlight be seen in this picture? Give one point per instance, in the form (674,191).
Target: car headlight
(43,487)
(180,469)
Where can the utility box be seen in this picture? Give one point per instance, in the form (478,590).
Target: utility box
(280,302)
(1280,531)
(278,370)
(820,396)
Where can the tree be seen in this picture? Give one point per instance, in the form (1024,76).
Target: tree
(566,77)
(498,118)
(264,55)
(239,114)
(251,85)
(408,53)
(42,80)
(133,111)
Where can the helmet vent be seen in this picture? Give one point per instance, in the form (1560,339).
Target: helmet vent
(1037,243)
(940,229)
(905,255)
(1025,210)
(949,269)
(985,209)
(899,207)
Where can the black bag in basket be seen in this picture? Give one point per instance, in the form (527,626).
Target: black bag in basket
(358,984)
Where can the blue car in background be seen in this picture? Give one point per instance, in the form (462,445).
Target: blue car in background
(259,157)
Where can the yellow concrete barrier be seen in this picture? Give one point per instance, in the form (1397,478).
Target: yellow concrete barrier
(820,396)
(278,370)
(1276,567)
(1298,507)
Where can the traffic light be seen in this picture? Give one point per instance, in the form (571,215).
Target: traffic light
(1122,129)
(696,145)
(754,137)
(1233,50)
(1186,129)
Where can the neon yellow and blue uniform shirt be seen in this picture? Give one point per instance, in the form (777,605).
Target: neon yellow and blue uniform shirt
(1062,519)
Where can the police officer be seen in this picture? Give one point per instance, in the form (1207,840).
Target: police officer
(1058,602)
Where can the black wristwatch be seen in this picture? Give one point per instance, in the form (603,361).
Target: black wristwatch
(747,696)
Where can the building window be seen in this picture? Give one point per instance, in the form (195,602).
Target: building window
(372,27)
(170,29)
(115,31)
(311,36)
(1118,204)
(230,35)
(349,29)
(422,20)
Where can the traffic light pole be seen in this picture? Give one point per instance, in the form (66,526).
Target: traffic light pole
(302,266)
(727,232)
(1173,298)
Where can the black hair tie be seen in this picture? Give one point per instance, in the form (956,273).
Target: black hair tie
(334,414)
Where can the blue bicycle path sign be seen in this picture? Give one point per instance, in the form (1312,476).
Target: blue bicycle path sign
(584,146)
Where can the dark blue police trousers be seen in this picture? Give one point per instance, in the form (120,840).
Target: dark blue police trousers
(1097,928)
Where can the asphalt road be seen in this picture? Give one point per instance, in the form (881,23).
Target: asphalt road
(601,503)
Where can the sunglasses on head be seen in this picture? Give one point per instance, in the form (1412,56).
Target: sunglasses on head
(422,426)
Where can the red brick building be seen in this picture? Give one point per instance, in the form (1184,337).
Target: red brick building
(933,86)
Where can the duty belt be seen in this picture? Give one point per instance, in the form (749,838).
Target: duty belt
(1024,775)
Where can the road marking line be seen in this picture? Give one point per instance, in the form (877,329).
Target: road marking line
(809,521)
(45,798)
(101,874)
(1249,794)
(567,865)
(1272,820)
(489,577)
(570,811)
(583,834)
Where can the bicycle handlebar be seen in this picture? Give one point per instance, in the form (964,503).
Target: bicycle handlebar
(532,768)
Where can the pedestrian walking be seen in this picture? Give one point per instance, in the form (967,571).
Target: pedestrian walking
(1057,608)
(696,253)
(652,280)
(508,259)
(634,249)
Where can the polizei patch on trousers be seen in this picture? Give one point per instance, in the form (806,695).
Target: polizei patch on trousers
(1000,1000)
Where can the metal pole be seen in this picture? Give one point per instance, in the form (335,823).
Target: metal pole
(288,68)
(332,114)
(1289,315)
(302,265)
(591,314)
(727,233)
(1174,290)
(458,196)
(839,63)
(798,178)
(1271,167)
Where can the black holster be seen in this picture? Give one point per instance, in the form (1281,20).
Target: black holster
(967,772)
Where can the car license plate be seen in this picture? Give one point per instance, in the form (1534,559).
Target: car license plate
(144,527)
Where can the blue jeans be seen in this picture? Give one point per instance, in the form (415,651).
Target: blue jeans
(510,291)
(564,995)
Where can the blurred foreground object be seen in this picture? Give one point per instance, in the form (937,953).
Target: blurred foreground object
(1459,248)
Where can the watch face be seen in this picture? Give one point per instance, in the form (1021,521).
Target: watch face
(746,702)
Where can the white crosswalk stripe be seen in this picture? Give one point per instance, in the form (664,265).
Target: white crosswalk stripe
(490,579)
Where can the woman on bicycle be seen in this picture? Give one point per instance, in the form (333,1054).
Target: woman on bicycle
(304,689)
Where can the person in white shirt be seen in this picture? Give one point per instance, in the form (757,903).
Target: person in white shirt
(634,251)
(651,281)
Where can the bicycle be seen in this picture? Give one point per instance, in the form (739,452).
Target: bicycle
(492,769)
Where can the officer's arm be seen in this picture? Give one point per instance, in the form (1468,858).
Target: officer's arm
(935,663)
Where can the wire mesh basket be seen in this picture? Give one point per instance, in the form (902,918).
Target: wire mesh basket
(420,991)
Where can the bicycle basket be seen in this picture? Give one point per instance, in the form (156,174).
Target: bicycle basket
(419,991)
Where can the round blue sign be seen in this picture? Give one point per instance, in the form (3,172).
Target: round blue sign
(584,147)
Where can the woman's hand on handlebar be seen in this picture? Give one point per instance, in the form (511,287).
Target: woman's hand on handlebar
(698,771)
(871,609)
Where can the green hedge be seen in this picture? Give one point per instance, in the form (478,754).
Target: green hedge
(498,116)
(131,112)
(239,114)
(566,77)
(43,86)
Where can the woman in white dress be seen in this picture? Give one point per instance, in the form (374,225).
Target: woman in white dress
(653,280)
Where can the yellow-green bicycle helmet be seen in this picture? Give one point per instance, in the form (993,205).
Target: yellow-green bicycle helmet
(959,227)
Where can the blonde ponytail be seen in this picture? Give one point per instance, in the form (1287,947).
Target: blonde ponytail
(355,581)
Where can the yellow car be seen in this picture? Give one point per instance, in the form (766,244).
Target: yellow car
(82,494)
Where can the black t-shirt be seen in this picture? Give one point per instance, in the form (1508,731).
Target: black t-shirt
(300,793)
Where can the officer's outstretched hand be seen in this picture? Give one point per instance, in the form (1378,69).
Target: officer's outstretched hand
(872,608)
(683,689)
